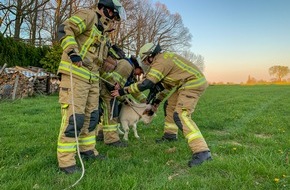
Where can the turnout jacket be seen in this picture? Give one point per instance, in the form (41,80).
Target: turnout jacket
(122,75)
(83,33)
(173,71)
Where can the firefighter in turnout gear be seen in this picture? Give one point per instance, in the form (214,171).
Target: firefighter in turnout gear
(85,47)
(187,82)
(123,75)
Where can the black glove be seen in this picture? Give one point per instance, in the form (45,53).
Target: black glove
(156,101)
(122,92)
(155,105)
(74,57)
(158,87)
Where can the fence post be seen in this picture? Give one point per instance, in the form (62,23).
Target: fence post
(15,87)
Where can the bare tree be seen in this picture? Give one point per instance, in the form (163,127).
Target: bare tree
(151,23)
(196,59)
(279,71)
(19,10)
(146,22)
(34,23)
(6,20)
(59,10)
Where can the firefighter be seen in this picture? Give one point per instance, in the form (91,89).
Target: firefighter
(85,46)
(123,75)
(187,82)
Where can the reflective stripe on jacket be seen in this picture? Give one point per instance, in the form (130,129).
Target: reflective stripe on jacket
(79,72)
(175,71)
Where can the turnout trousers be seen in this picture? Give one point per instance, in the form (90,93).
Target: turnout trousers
(109,124)
(86,100)
(178,111)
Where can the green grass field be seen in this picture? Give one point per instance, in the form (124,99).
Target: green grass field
(246,127)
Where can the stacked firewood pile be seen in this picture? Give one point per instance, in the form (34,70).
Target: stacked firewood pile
(20,82)
(46,85)
(14,86)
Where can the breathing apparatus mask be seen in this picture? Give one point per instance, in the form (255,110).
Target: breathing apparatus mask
(117,11)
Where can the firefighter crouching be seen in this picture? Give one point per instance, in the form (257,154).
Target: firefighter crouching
(85,46)
(123,75)
(178,74)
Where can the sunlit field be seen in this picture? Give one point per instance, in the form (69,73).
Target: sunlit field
(246,127)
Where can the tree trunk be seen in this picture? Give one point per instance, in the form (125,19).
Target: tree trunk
(57,22)
(18,20)
(34,24)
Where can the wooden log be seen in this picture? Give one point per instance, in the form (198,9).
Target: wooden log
(38,71)
(2,69)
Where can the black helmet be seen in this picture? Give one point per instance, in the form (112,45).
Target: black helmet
(134,61)
(115,6)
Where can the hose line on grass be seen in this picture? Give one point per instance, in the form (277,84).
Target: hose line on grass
(75,128)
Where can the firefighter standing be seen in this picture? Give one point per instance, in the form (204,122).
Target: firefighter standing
(123,75)
(175,72)
(85,46)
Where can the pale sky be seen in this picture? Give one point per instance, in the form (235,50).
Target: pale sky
(237,38)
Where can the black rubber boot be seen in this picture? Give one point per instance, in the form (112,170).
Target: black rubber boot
(118,144)
(70,169)
(199,158)
(89,155)
(100,136)
(167,138)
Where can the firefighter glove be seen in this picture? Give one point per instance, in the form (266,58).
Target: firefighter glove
(74,57)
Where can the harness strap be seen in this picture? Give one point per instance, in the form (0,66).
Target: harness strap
(132,106)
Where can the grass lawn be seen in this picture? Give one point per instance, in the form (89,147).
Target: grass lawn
(246,127)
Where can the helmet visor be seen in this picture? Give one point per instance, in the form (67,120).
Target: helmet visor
(144,67)
(120,11)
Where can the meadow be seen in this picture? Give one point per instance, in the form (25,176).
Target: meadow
(246,127)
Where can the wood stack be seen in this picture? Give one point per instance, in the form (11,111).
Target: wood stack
(15,84)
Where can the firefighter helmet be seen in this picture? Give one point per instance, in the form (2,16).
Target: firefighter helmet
(149,49)
(134,61)
(115,6)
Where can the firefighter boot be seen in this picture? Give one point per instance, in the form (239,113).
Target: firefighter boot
(118,144)
(100,136)
(70,169)
(199,158)
(167,138)
(89,155)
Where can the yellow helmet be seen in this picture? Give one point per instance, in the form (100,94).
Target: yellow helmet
(149,49)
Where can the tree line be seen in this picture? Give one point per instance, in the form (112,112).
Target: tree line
(36,23)
(277,71)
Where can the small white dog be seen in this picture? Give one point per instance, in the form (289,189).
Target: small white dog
(131,113)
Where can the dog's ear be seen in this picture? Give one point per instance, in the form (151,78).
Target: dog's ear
(145,112)
(148,112)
